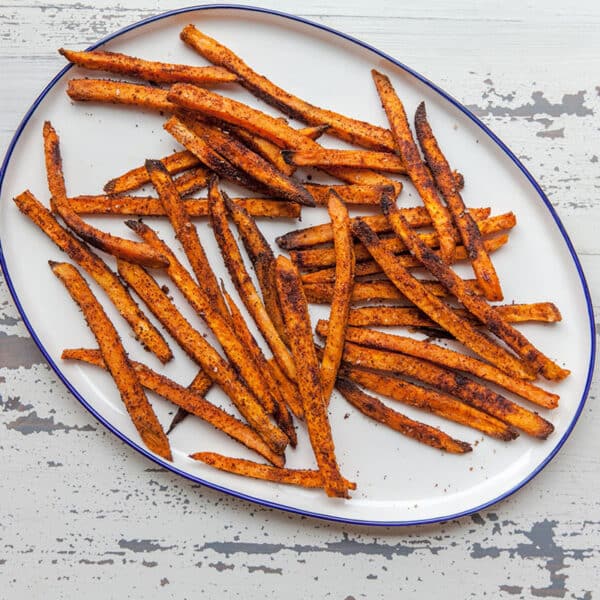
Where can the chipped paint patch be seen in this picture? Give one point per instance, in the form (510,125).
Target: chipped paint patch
(32,423)
(143,545)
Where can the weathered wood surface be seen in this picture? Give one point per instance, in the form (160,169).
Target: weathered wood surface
(82,514)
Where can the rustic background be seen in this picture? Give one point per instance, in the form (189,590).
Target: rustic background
(83,513)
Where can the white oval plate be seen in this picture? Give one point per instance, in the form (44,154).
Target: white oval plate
(399,481)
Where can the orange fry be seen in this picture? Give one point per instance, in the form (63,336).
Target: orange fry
(361,159)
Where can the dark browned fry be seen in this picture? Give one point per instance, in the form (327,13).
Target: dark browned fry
(128,250)
(289,389)
(201,384)
(417,170)
(482,265)
(477,305)
(77,251)
(189,400)
(114,355)
(300,336)
(267,149)
(156,72)
(240,466)
(192,181)
(361,159)
(377,410)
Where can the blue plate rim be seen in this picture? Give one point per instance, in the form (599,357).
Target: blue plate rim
(446,96)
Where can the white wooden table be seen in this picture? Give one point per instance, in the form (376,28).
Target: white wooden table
(82,514)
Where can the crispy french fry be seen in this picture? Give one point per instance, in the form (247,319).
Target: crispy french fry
(156,72)
(394,316)
(476,305)
(191,181)
(289,389)
(439,312)
(243,283)
(417,216)
(146,206)
(186,233)
(469,391)
(362,291)
(199,350)
(350,194)
(300,336)
(268,150)
(352,130)
(120,92)
(361,159)
(415,167)
(430,400)
(482,265)
(317,258)
(189,400)
(279,410)
(408,261)
(223,331)
(375,409)
(240,466)
(342,292)
(133,251)
(446,358)
(77,251)
(136,178)
(112,351)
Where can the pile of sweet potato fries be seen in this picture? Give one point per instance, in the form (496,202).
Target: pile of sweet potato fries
(347,262)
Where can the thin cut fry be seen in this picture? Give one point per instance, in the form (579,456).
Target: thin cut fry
(367,194)
(415,167)
(156,72)
(439,312)
(199,350)
(128,250)
(243,283)
(77,251)
(476,305)
(268,150)
(240,466)
(361,159)
(417,216)
(394,316)
(289,389)
(482,265)
(342,291)
(191,181)
(458,385)
(189,400)
(430,400)
(125,378)
(300,336)
(377,410)
(201,384)
(446,358)
(146,206)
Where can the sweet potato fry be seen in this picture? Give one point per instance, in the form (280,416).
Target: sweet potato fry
(458,385)
(415,167)
(394,316)
(289,389)
(191,181)
(375,409)
(346,128)
(144,330)
(408,261)
(191,401)
(476,305)
(342,291)
(136,178)
(471,238)
(430,400)
(146,206)
(223,331)
(234,262)
(186,233)
(199,350)
(201,384)
(299,333)
(417,216)
(446,358)
(120,92)
(240,466)
(155,72)
(317,258)
(361,159)
(439,312)
(112,351)
(128,250)
(350,194)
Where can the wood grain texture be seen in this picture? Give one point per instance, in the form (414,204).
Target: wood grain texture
(85,515)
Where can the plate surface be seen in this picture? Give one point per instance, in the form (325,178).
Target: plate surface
(399,481)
